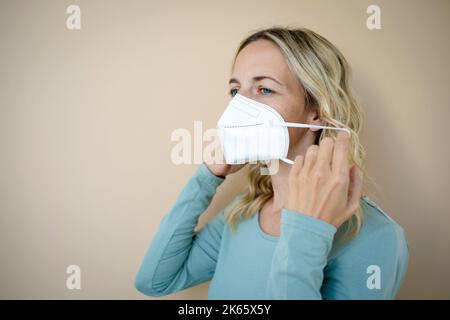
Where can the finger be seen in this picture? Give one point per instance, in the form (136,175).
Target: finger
(310,157)
(355,188)
(325,153)
(340,163)
(293,175)
(297,166)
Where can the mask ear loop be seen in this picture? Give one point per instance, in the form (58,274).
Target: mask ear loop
(302,125)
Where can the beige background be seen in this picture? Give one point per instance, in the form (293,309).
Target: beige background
(86,118)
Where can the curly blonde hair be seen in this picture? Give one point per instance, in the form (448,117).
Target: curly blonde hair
(324,74)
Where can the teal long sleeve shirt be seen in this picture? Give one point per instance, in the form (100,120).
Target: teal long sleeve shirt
(307,261)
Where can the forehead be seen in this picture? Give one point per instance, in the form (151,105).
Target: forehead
(262,57)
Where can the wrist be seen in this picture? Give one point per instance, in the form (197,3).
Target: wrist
(308,222)
(320,217)
(213,172)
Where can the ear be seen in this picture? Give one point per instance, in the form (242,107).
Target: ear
(313,118)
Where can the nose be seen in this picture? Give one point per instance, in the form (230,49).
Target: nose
(248,94)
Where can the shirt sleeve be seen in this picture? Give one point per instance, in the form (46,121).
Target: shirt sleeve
(300,268)
(300,256)
(178,258)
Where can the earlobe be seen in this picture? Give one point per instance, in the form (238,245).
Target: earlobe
(315,120)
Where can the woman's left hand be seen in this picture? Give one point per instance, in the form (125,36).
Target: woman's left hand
(322,185)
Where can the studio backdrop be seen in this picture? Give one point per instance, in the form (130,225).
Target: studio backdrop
(91,93)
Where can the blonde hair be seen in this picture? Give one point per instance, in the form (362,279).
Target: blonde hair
(324,73)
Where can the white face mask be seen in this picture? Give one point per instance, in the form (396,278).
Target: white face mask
(250,130)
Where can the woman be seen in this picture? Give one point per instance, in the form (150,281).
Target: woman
(306,232)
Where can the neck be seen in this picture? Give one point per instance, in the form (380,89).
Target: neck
(280,179)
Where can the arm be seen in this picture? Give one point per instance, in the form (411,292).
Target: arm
(299,257)
(300,269)
(178,258)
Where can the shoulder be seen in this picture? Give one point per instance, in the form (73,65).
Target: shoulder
(379,235)
(377,220)
(377,258)
(221,218)
(378,224)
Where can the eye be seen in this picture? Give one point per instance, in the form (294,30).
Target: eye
(233,92)
(266,91)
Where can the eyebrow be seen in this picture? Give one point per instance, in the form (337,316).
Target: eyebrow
(258,78)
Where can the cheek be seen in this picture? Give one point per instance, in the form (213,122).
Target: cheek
(296,114)
(292,109)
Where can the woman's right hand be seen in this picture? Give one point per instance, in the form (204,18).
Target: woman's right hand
(218,166)
(223,169)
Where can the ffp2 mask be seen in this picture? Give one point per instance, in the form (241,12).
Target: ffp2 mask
(250,130)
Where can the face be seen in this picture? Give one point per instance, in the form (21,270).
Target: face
(261,73)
